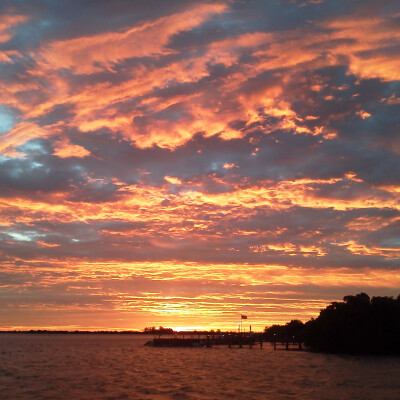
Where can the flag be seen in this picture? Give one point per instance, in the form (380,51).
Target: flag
(243,316)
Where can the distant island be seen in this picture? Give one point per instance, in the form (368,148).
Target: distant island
(358,325)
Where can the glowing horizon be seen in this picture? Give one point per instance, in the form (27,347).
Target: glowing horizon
(184,164)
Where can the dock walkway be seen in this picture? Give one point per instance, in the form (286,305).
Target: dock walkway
(227,339)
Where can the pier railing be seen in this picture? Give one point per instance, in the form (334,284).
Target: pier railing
(231,339)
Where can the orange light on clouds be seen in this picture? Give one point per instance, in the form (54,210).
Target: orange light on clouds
(7,23)
(64,149)
(183,165)
(212,295)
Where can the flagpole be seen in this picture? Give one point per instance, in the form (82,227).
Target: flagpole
(242,317)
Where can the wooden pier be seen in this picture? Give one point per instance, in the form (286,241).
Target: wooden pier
(179,342)
(287,345)
(240,340)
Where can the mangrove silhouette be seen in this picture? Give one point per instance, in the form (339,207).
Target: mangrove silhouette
(358,325)
(291,332)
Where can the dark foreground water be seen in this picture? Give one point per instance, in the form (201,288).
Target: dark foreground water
(120,367)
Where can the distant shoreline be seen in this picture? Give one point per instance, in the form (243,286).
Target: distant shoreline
(78,332)
(41,331)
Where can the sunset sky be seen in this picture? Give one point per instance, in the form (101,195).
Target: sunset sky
(180,163)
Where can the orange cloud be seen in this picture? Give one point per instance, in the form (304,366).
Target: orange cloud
(65,149)
(20,134)
(138,202)
(370,35)
(7,22)
(173,180)
(212,295)
(86,55)
(361,249)
(95,105)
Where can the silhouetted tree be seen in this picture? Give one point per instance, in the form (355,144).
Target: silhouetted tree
(160,330)
(290,331)
(358,325)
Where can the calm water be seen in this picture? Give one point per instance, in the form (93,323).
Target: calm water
(120,367)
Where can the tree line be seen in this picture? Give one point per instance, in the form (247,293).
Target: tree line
(357,325)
